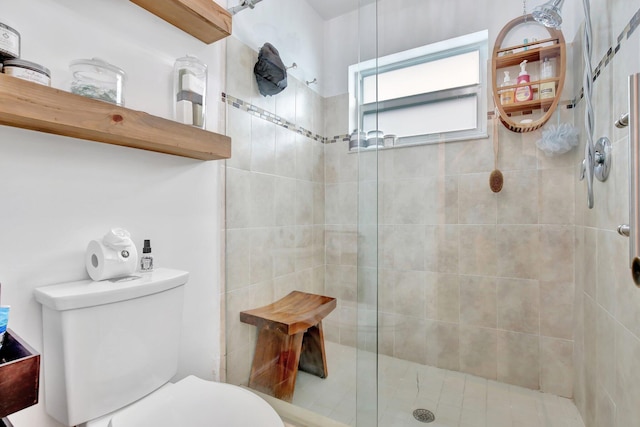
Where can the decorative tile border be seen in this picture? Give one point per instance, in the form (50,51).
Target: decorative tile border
(276,120)
(337,138)
(611,52)
(270,117)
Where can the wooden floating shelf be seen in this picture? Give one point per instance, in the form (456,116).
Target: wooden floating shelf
(203,19)
(28,105)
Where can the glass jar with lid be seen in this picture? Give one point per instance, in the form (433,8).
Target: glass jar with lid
(27,70)
(375,139)
(357,140)
(9,42)
(97,79)
(190,89)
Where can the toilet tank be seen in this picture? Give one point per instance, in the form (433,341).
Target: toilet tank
(109,343)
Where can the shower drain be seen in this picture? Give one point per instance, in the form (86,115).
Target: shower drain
(424,415)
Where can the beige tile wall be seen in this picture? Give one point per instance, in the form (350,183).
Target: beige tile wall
(607,324)
(468,279)
(275,203)
(496,285)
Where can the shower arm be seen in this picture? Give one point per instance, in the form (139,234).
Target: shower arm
(243,5)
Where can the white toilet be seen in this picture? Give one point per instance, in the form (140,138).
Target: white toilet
(110,349)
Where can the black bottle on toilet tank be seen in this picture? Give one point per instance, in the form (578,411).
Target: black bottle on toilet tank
(146,260)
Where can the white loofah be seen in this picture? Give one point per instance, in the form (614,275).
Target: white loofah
(558,139)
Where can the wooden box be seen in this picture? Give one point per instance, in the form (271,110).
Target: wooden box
(19,374)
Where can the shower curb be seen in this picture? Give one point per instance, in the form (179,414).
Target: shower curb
(295,415)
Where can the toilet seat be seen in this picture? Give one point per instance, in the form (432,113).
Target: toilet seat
(194,402)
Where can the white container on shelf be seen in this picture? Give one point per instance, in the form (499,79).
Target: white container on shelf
(375,139)
(190,88)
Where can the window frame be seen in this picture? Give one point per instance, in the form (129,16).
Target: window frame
(473,42)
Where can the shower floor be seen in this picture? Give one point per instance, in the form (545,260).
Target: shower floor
(456,399)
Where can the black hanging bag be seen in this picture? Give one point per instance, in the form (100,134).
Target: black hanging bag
(270,71)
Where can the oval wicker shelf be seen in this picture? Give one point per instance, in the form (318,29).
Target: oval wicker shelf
(504,57)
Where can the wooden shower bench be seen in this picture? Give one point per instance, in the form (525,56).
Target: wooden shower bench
(290,337)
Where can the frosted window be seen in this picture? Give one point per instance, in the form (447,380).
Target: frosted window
(436,92)
(440,74)
(435,118)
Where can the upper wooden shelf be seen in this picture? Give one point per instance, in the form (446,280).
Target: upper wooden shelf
(33,106)
(203,19)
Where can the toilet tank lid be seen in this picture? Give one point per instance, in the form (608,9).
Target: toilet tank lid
(87,293)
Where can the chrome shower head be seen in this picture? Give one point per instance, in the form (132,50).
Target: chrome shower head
(548,14)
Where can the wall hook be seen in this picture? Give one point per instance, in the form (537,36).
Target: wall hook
(314,81)
(294,65)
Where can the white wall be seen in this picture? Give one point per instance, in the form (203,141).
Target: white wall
(57,193)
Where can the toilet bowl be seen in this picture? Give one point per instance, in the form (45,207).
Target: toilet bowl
(194,402)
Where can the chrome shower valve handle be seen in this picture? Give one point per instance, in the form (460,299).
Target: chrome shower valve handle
(597,162)
(602,159)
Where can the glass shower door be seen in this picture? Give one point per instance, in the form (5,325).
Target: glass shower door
(367,228)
